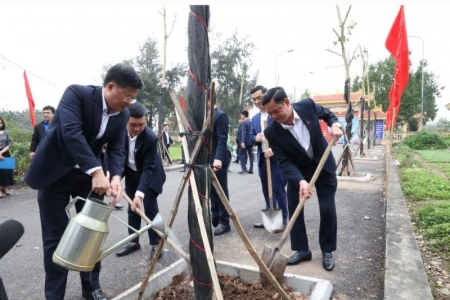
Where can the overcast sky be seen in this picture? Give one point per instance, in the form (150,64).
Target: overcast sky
(64,42)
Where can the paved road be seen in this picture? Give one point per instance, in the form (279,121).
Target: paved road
(359,259)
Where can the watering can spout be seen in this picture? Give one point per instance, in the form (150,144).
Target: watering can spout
(157,224)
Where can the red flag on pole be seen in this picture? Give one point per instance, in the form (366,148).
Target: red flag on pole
(182,103)
(30,99)
(397,45)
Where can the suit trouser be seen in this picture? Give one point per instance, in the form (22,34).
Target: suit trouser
(218,212)
(150,206)
(52,203)
(243,155)
(325,187)
(278,185)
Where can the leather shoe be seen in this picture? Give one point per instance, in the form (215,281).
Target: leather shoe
(128,248)
(221,229)
(250,172)
(328,261)
(258,225)
(243,172)
(299,257)
(94,295)
(153,252)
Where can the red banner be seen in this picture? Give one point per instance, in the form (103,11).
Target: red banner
(397,45)
(30,99)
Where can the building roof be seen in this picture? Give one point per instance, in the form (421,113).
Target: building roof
(335,97)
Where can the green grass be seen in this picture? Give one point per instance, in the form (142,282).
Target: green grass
(435,156)
(444,167)
(175,151)
(420,184)
(433,221)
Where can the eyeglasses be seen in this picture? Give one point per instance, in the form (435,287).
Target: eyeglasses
(127,99)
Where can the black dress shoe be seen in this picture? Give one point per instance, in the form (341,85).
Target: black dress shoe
(250,172)
(258,225)
(328,261)
(128,248)
(94,295)
(153,252)
(221,229)
(243,172)
(298,257)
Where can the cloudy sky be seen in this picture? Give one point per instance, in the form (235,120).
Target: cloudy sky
(64,42)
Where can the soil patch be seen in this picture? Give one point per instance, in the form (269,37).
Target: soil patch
(233,289)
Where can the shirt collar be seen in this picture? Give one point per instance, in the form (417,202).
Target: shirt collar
(296,119)
(131,138)
(105,107)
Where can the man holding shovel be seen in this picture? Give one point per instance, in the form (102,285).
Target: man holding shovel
(265,154)
(298,144)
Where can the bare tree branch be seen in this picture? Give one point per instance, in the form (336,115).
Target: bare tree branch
(329,50)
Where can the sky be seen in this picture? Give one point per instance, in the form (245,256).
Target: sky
(66,42)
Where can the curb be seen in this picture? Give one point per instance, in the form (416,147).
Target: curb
(405,276)
(358,179)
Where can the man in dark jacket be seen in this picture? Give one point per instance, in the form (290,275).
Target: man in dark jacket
(144,175)
(246,145)
(298,144)
(41,128)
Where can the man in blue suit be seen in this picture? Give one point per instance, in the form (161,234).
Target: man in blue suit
(298,143)
(66,164)
(246,144)
(219,161)
(257,138)
(144,175)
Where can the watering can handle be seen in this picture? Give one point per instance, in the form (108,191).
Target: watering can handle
(71,204)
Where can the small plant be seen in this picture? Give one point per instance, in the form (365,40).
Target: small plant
(420,184)
(425,140)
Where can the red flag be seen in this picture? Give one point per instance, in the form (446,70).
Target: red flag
(30,99)
(397,45)
(182,104)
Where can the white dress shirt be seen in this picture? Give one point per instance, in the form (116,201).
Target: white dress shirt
(131,163)
(264,117)
(300,133)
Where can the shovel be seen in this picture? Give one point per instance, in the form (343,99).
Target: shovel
(272,219)
(275,261)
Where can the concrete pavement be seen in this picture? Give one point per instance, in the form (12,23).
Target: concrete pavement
(359,271)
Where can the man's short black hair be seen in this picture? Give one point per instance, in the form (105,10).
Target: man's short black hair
(277,94)
(257,88)
(124,76)
(245,113)
(137,110)
(165,125)
(48,107)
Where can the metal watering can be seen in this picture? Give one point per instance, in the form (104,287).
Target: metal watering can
(81,243)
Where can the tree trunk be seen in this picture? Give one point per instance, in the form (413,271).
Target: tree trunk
(198,83)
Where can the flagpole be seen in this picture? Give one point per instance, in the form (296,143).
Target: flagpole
(388,168)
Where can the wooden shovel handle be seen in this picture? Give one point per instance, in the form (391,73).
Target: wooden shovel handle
(269,172)
(303,199)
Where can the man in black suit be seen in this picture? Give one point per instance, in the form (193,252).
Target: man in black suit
(298,144)
(166,138)
(144,175)
(67,164)
(41,128)
(219,162)
(246,144)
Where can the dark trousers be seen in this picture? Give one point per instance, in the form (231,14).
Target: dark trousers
(218,211)
(150,206)
(243,154)
(52,203)
(325,188)
(278,185)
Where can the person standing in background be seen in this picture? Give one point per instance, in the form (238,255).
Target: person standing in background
(246,144)
(6,175)
(41,128)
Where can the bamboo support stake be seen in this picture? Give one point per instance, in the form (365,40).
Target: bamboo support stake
(244,237)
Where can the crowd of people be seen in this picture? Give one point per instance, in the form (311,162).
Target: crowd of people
(99,135)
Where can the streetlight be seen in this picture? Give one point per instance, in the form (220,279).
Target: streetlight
(421,91)
(301,82)
(276,79)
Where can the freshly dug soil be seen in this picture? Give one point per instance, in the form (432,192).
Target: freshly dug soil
(233,289)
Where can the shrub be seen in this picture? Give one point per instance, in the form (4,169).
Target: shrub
(425,140)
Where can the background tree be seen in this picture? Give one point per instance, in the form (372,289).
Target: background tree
(381,74)
(230,63)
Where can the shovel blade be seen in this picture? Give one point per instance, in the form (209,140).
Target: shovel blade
(275,261)
(272,220)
